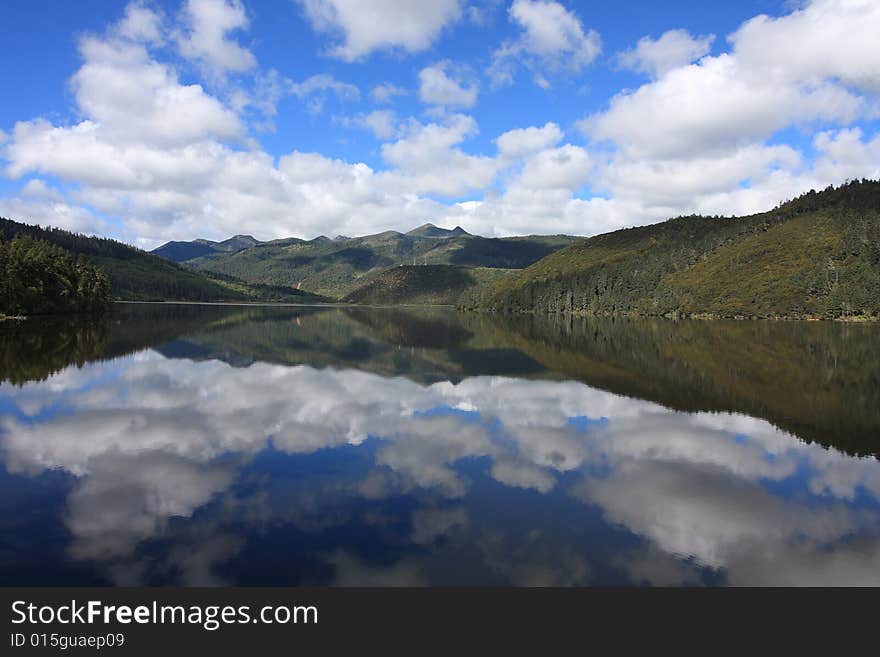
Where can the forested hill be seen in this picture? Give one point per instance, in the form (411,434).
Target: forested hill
(37,277)
(815,256)
(134,274)
(137,275)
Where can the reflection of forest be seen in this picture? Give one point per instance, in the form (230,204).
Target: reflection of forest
(821,381)
(817,380)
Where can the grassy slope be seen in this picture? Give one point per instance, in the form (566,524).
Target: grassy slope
(337,268)
(425,285)
(817,255)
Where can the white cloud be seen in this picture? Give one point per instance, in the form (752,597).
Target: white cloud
(713,106)
(314,90)
(131,97)
(163,159)
(141,23)
(673,49)
(745,96)
(552,39)
(566,167)
(427,160)
(525,141)
(47,212)
(697,137)
(206,37)
(383,123)
(386,92)
(369,25)
(324,82)
(37,188)
(826,39)
(436,87)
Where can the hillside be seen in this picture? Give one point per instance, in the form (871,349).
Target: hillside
(816,256)
(38,278)
(335,268)
(425,285)
(137,275)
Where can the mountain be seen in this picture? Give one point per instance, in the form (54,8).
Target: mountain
(815,256)
(430,230)
(137,275)
(184,251)
(336,268)
(425,285)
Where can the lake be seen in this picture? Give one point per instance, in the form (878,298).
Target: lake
(220,445)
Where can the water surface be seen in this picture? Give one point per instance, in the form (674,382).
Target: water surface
(200,445)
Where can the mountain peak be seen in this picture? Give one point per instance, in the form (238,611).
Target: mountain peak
(430,230)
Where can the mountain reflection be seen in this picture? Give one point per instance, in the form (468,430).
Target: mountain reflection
(194,471)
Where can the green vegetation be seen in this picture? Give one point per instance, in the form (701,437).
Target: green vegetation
(137,275)
(816,256)
(426,285)
(336,268)
(39,278)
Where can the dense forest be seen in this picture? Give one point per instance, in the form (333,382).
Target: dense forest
(816,256)
(40,278)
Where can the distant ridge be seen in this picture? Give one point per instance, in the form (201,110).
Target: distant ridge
(430,230)
(198,248)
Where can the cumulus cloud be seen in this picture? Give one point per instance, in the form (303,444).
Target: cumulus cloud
(440,84)
(384,124)
(166,159)
(364,26)
(205,38)
(141,23)
(428,161)
(552,39)
(673,49)
(526,141)
(704,128)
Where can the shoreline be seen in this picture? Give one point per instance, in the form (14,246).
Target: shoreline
(704,317)
(853,319)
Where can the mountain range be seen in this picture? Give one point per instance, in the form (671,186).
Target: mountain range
(338,267)
(817,256)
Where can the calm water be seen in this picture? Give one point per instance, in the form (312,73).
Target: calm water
(188,445)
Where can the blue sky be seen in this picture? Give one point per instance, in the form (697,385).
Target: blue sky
(156,120)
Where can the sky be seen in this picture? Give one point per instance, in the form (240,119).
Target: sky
(149,121)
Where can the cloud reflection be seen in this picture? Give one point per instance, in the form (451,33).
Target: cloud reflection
(151,439)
